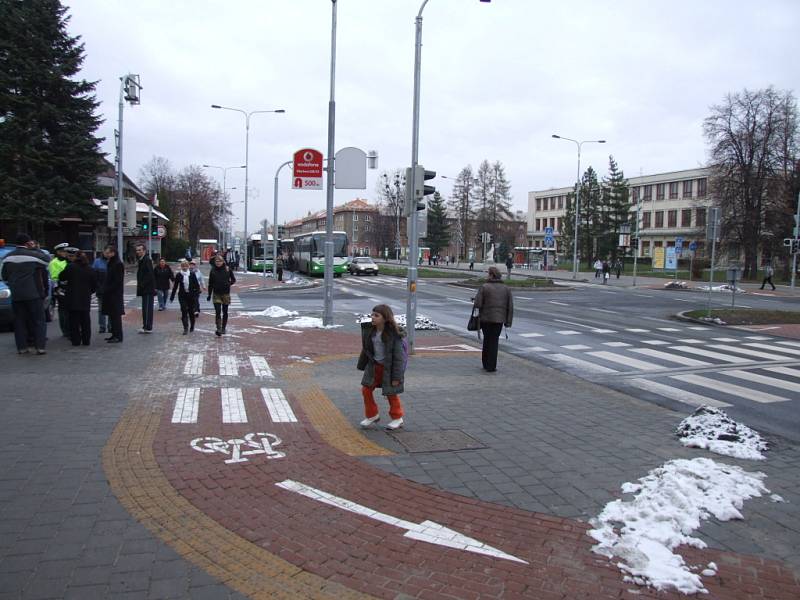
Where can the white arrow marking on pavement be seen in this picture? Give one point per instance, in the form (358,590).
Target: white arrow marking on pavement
(451,348)
(427,531)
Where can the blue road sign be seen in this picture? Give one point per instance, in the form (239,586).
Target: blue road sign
(548,231)
(693,246)
(678,242)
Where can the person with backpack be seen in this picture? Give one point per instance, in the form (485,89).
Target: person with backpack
(383,358)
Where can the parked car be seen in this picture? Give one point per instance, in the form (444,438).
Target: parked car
(362,265)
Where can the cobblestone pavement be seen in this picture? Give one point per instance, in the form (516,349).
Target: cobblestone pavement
(234,470)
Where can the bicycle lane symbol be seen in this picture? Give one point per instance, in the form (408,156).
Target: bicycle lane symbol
(240,449)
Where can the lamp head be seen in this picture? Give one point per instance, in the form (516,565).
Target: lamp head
(280,110)
(601,141)
(558,137)
(215,106)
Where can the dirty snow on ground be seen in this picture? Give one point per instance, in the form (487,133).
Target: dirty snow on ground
(273,311)
(302,359)
(679,285)
(669,504)
(421,323)
(307,323)
(725,287)
(710,428)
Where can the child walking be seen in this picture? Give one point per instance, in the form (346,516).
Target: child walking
(382,359)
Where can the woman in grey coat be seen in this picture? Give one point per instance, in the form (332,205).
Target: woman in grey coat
(383,360)
(496,308)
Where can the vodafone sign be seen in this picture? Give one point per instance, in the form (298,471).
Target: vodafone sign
(307,169)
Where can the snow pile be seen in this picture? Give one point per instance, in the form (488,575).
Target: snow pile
(711,429)
(293,280)
(725,287)
(422,322)
(669,504)
(307,323)
(676,285)
(715,320)
(302,359)
(273,311)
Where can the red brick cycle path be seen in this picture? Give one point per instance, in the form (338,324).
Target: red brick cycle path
(265,541)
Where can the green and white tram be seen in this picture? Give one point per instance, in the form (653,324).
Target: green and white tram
(309,252)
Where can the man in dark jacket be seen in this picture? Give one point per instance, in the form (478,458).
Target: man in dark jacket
(25,272)
(145,287)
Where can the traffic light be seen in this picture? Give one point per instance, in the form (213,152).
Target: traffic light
(796,246)
(416,190)
(144,227)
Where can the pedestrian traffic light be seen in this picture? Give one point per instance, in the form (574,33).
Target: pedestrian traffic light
(416,190)
(145,226)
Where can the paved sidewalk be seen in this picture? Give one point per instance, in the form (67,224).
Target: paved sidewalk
(190,498)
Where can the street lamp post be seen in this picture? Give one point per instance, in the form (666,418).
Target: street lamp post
(577,198)
(636,250)
(129,88)
(224,183)
(247,116)
(275,222)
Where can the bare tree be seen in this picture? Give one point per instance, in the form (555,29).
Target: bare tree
(461,204)
(753,143)
(198,202)
(391,190)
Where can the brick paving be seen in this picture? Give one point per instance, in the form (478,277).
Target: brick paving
(138,512)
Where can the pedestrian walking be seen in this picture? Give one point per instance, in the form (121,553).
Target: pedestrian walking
(164,277)
(100,268)
(80,283)
(58,264)
(606,270)
(598,268)
(769,271)
(495,306)
(509,265)
(25,273)
(201,282)
(383,360)
(220,279)
(618,267)
(113,305)
(471,264)
(279,266)
(145,287)
(188,289)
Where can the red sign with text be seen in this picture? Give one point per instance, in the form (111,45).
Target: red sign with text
(307,169)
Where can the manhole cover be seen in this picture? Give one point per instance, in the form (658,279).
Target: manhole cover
(443,440)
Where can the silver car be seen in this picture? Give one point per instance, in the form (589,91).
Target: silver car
(362,265)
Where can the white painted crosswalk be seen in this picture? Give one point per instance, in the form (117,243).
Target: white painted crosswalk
(233,410)
(229,405)
(279,409)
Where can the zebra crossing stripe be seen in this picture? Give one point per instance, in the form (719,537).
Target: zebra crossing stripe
(676,358)
(730,388)
(772,381)
(656,342)
(186,405)
(571,361)
(233,410)
(785,371)
(278,407)
(775,348)
(627,360)
(638,330)
(531,335)
(789,343)
(674,393)
(568,332)
(616,344)
(260,367)
(603,331)
(749,352)
(710,354)
(194,365)
(228,365)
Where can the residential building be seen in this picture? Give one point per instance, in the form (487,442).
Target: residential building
(356,218)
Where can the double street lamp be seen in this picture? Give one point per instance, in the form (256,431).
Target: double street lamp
(577,198)
(247,116)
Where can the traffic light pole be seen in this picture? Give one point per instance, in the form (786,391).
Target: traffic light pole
(411,223)
(796,235)
(150,230)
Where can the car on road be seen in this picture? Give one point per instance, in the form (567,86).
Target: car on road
(362,265)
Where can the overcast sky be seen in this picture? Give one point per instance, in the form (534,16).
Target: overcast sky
(497,80)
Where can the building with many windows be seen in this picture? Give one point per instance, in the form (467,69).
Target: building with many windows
(356,218)
(670,205)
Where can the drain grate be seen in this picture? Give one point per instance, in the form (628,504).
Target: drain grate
(441,440)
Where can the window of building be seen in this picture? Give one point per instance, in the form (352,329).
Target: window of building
(553,222)
(687,188)
(355,216)
(672,218)
(646,219)
(559,222)
(538,226)
(659,218)
(646,247)
(367,217)
(560,202)
(538,204)
(660,191)
(673,190)
(635,194)
(648,192)
(355,227)
(700,217)
(702,184)
(657,244)
(686,217)
(553,203)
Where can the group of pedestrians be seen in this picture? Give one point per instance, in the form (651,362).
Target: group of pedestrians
(603,268)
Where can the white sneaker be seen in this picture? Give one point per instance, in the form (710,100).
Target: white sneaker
(370,420)
(394,424)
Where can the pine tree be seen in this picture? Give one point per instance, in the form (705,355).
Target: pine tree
(499,196)
(49,155)
(461,203)
(617,206)
(438,237)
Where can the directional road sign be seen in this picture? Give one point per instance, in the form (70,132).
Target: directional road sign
(548,231)
(693,246)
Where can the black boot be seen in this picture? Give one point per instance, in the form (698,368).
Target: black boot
(219,327)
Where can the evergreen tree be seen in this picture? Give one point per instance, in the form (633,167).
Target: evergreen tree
(590,218)
(617,206)
(49,155)
(461,203)
(482,193)
(499,195)
(438,237)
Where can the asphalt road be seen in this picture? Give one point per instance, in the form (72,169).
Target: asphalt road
(624,338)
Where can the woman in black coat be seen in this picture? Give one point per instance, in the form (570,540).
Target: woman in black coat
(80,282)
(220,279)
(164,279)
(113,304)
(187,287)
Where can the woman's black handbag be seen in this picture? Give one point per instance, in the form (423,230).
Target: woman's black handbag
(474,323)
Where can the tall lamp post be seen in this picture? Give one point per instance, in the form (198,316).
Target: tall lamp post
(411,223)
(247,116)
(577,198)
(224,182)
(468,184)
(275,222)
(129,88)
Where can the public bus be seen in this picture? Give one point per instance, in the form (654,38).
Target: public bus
(256,261)
(309,252)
